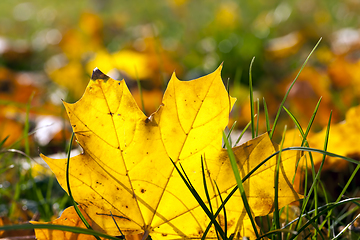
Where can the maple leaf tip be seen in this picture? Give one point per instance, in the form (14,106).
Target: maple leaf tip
(220,67)
(97,74)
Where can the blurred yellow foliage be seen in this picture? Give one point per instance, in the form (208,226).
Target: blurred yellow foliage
(87,39)
(134,64)
(72,77)
(227,15)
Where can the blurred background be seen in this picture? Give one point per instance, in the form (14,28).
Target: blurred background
(48,50)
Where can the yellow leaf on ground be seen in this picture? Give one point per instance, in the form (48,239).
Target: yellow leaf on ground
(68,218)
(125,166)
(342,141)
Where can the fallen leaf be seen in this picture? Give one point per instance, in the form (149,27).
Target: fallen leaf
(125,166)
(68,218)
(342,141)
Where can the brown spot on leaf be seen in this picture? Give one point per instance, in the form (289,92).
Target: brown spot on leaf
(97,74)
(142,190)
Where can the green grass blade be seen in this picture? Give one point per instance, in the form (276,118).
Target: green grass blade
(205,185)
(324,209)
(277,232)
(276,184)
(229,133)
(257,117)
(327,219)
(202,204)
(81,216)
(251,99)
(27,125)
(225,216)
(304,134)
(207,195)
(304,142)
(56,227)
(311,122)
(228,85)
(314,150)
(26,135)
(267,120)
(117,226)
(347,214)
(49,189)
(199,200)
(346,227)
(343,192)
(3,141)
(288,91)
(317,178)
(40,198)
(240,185)
(187,178)
(306,149)
(242,134)
(4,169)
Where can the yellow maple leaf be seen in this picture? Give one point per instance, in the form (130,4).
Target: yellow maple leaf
(125,166)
